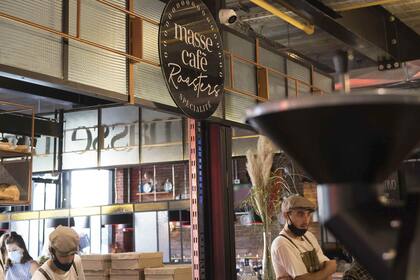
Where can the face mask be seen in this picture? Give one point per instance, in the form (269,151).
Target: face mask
(296,231)
(64,267)
(15,256)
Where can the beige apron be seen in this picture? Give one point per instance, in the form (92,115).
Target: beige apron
(309,258)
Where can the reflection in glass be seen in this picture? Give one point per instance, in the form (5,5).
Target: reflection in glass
(186,241)
(121,135)
(80,139)
(180,236)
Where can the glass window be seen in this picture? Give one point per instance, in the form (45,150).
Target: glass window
(242,141)
(80,139)
(83,228)
(95,234)
(90,188)
(106,237)
(323,82)
(163,233)
(302,73)
(146,231)
(43,160)
(180,236)
(121,136)
(186,238)
(162,137)
(43,194)
(33,245)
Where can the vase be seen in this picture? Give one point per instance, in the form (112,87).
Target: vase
(267,267)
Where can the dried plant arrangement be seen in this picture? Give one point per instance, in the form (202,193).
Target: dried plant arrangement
(268,188)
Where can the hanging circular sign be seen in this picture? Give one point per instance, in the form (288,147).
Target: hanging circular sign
(191,57)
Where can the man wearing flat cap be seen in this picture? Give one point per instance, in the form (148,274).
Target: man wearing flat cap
(64,263)
(295,253)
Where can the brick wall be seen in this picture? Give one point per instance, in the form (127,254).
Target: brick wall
(309,191)
(159,174)
(119,185)
(139,175)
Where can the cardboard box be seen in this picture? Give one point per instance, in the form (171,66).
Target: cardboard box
(169,272)
(126,274)
(96,275)
(96,262)
(136,260)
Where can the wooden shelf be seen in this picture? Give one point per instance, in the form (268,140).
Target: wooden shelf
(13,202)
(16,161)
(12,153)
(152,193)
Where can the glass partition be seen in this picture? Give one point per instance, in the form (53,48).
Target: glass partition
(80,139)
(162,137)
(121,136)
(90,188)
(180,236)
(146,228)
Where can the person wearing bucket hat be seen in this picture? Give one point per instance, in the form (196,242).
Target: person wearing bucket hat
(295,253)
(64,263)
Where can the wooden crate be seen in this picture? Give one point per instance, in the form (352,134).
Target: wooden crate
(96,262)
(136,260)
(126,274)
(169,272)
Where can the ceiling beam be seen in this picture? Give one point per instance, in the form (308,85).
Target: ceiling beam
(353,6)
(384,30)
(372,31)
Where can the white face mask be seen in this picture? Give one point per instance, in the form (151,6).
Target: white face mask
(15,256)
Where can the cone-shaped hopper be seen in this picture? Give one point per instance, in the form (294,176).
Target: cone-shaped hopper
(349,142)
(343,138)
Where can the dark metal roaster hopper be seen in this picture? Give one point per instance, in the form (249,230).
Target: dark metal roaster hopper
(348,143)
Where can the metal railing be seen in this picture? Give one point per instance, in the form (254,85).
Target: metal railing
(139,59)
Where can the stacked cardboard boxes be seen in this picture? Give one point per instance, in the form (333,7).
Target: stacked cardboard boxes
(169,272)
(96,267)
(130,266)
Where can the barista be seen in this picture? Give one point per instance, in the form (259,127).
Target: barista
(296,253)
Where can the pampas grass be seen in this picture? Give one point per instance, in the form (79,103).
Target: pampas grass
(268,188)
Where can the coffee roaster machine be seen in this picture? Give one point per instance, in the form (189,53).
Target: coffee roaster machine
(349,143)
